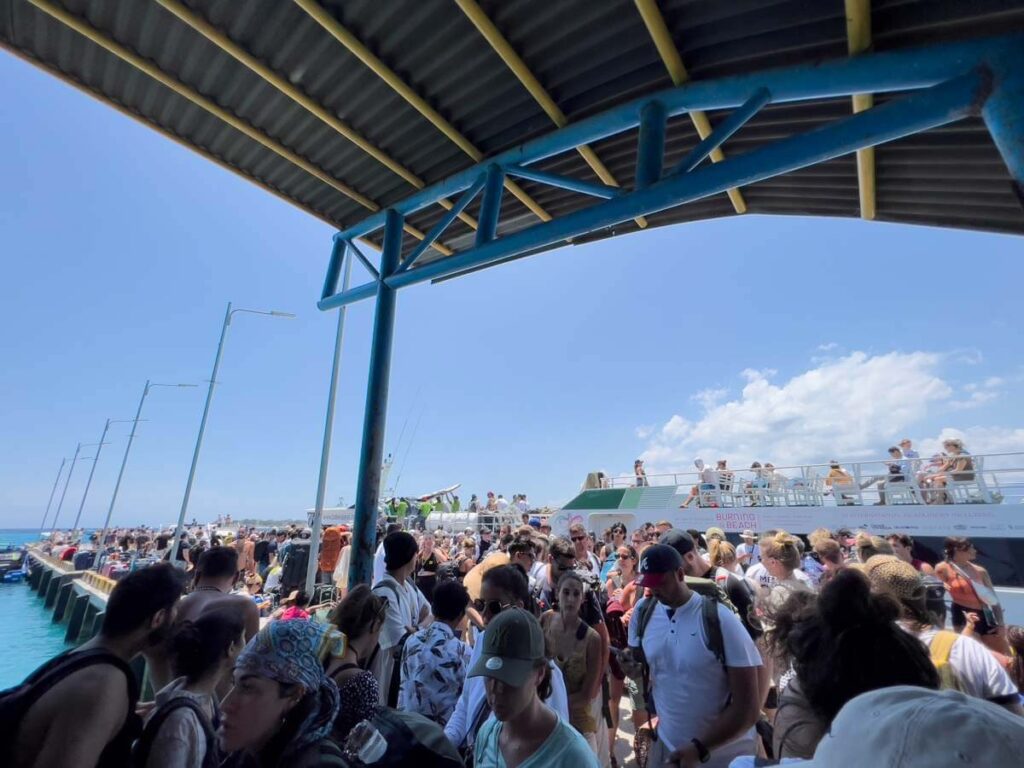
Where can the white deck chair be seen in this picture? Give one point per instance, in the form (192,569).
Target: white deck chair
(970,491)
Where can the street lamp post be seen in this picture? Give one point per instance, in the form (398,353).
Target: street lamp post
(46,514)
(92,471)
(176,544)
(124,460)
(325,452)
(67,482)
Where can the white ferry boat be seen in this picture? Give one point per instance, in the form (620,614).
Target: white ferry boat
(985,504)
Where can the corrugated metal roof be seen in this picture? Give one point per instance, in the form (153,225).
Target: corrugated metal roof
(588,54)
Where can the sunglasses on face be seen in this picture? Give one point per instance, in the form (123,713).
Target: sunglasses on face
(578,538)
(493,607)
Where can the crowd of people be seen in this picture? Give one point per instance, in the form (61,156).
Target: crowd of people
(519,647)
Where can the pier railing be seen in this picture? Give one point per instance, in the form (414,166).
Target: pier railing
(994,478)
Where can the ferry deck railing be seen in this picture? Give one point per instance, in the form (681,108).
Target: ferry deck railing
(995,478)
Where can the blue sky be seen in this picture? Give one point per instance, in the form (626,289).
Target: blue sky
(759,337)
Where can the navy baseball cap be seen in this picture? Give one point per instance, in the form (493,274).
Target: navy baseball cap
(656,563)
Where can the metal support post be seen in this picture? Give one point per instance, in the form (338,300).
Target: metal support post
(490,206)
(120,475)
(650,151)
(176,544)
(325,451)
(92,471)
(67,482)
(375,413)
(46,514)
(1004,115)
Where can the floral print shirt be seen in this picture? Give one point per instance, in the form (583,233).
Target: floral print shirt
(434,666)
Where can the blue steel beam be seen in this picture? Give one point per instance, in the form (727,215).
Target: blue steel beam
(444,223)
(375,412)
(490,206)
(740,117)
(365,261)
(869,73)
(1004,115)
(604,191)
(650,148)
(920,111)
(334,269)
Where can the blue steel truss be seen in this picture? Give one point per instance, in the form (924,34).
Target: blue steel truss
(946,83)
(938,85)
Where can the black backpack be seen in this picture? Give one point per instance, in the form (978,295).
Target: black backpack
(143,747)
(293,571)
(713,595)
(413,740)
(15,702)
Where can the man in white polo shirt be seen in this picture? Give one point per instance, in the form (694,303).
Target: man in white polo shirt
(706,707)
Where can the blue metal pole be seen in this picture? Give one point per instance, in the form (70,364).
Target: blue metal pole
(53,490)
(325,451)
(333,269)
(735,121)
(176,544)
(490,206)
(375,413)
(650,151)
(67,481)
(1004,115)
(917,112)
(120,475)
(92,471)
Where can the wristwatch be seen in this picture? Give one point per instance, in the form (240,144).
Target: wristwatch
(702,752)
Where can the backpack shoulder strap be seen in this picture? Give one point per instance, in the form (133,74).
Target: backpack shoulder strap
(143,747)
(390,586)
(647,607)
(713,629)
(58,668)
(941,647)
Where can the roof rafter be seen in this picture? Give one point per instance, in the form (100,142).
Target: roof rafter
(858,40)
(662,38)
(149,68)
(356,47)
(524,74)
(237,52)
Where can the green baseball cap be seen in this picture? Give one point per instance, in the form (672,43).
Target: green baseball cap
(513,643)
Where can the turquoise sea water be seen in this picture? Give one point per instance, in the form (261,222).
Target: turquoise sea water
(30,637)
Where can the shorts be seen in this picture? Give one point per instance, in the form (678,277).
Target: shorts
(635,690)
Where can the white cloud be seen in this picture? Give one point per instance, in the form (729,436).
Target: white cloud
(709,398)
(827,346)
(979,393)
(849,407)
(645,431)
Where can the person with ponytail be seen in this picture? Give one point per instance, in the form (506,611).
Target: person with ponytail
(840,645)
(179,730)
(360,616)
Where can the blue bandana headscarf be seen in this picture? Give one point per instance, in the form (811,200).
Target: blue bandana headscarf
(293,652)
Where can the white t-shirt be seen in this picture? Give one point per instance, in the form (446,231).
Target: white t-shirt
(749,549)
(758,576)
(401,613)
(677,651)
(979,672)
(378,563)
